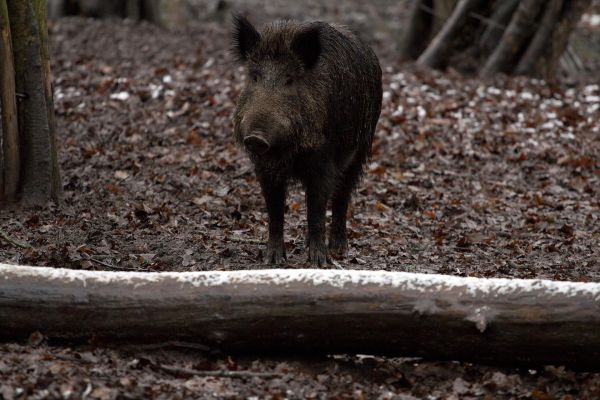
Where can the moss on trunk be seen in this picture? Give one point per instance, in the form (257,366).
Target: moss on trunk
(9,140)
(40,179)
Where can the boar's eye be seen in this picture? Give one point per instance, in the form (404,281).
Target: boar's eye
(289,80)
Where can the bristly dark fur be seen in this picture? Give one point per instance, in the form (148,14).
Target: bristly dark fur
(314,97)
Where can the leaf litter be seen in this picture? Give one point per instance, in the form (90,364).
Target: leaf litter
(470,179)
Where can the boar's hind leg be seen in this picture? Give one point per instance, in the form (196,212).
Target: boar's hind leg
(274,192)
(318,192)
(338,242)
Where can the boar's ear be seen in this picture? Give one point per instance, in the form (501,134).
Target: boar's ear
(306,44)
(245,36)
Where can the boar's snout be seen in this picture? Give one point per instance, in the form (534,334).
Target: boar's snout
(256,143)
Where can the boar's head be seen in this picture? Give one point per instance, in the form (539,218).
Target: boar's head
(282,108)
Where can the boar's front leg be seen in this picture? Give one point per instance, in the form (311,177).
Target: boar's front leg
(273,189)
(318,192)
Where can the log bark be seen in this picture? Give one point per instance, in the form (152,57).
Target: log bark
(9,149)
(438,51)
(40,178)
(315,311)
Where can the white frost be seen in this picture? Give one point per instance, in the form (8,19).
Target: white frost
(349,279)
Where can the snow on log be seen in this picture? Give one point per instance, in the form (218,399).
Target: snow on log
(317,311)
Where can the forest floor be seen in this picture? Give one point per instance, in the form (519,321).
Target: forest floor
(497,179)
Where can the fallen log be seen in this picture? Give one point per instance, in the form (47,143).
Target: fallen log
(315,311)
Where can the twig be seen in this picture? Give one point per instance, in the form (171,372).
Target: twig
(246,240)
(114,267)
(242,173)
(102,263)
(15,242)
(173,344)
(220,373)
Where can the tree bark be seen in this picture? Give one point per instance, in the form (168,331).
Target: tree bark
(442,10)
(540,39)
(570,15)
(501,36)
(514,38)
(148,10)
(499,19)
(9,149)
(438,51)
(132,9)
(418,31)
(40,178)
(41,15)
(315,311)
(151,11)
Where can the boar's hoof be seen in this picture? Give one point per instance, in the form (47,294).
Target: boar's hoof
(256,143)
(317,255)
(338,247)
(275,254)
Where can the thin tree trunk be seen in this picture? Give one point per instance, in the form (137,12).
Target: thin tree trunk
(526,37)
(442,10)
(570,15)
(9,167)
(418,31)
(498,21)
(41,14)
(516,35)
(132,9)
(316,311)
(56,8)
(438,51)
(540,39)
(40,179)
(150,11)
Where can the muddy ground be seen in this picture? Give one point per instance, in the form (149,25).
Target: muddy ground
(467,178)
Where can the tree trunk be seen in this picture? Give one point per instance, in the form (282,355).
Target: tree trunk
(436,54)
(9,140)
(570,15)
(516,34)
(40,178)
(148,10)
(536,46)
(418,32)
(500,17)
(515,37)
(41,12)
(315,311)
